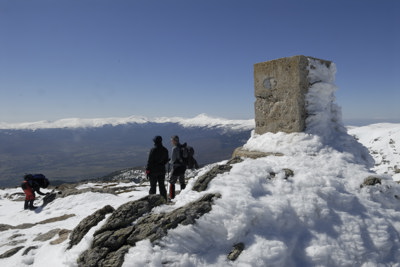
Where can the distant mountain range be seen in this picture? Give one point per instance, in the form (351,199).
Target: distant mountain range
(76,149)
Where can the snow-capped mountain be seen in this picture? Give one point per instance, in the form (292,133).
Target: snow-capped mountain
(201,120)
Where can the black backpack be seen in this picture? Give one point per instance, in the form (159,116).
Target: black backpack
(186,154)
(37,179)
(41,180)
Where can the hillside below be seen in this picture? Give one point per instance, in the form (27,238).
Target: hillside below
(74,149)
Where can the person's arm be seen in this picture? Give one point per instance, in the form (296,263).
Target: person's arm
(37,190)
(174,156)
(165,159)
(149,163)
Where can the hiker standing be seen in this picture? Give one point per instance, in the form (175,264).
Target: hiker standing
(30,185)
(155,168)
(178,167)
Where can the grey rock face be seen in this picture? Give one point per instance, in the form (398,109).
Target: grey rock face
(130,212)
(11,252)
(203,181)
(236,251)
(86,224)
(113,241)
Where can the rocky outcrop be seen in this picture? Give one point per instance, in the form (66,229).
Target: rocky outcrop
(118,235)
(203,181)
(134,221)
(130,212)
(86,224)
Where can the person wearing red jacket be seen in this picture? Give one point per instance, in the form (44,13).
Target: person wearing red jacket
(30,185)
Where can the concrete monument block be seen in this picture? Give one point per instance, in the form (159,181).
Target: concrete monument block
(280,87)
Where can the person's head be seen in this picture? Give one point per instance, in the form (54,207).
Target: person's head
(175,140)
(157,140)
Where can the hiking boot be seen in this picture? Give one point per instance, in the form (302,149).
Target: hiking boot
(31,207)
(26,205)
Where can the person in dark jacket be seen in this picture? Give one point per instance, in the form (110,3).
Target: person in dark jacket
(30,185)
(155,169)
(178,167)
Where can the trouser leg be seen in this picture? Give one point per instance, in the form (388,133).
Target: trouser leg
(31,207)
(161,186)
(26,205)
(182,182)
(172,182)
(171,191)
(153,185)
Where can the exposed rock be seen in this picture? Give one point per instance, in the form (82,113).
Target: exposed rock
(371,180)
(113,240)
(115,258)
(62,233)
(203,181)
(241,152)
(86,224)
(47,236)
(234,160)
(56,219)
(235,252)
(111,243)
(26,251)
(15,236)
(74,191)
(4,227)
(14,242)
(11,252)
(62,236)
(155,226)
(288,173)
(396,169)
(130,212)
(18,196)
(92,257)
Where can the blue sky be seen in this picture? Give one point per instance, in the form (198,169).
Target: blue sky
(97,58)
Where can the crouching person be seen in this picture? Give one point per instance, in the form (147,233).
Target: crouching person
(32,184)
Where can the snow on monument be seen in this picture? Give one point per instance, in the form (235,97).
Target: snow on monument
(296,95)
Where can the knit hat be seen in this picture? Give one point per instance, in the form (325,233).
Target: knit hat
(157,139)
